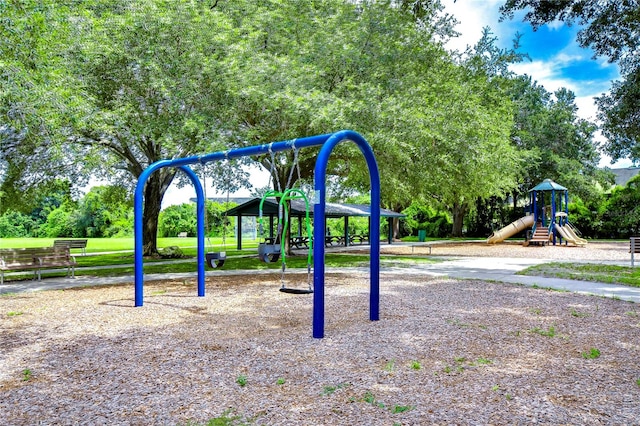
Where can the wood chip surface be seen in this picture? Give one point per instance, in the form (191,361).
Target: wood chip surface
(444,352)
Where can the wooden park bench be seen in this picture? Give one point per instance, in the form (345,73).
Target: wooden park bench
(72,244)
(36,259)
(183,234)
(634,247)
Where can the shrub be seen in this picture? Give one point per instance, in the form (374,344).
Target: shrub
(176,219)
(423,217)
(59,223)
(15,224)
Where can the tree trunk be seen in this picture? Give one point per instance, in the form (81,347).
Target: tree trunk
(396,228)
(154,191)
(459,211)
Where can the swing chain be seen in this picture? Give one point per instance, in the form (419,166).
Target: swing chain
(293,166)
(284,267)
(206,221)
(282,231)
(226,206)
(273,171)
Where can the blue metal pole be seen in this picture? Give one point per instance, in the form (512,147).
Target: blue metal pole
(137,228)
(553,215)
(138,233)
(253,150)
(318,227)
(200,212)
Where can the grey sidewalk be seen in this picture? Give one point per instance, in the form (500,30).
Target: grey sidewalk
(489,269)
(505,270)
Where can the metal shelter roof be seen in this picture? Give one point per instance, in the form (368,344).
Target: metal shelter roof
(548,185)
(298,208)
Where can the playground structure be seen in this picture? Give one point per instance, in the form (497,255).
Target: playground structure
(327,142)
(547,217)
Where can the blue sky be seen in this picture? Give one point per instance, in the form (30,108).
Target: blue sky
(556,58)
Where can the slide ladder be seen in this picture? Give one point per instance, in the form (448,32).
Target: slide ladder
(540,236)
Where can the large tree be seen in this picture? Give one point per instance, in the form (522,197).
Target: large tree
(612,29)
(555,141)
(127,84)
(305,68)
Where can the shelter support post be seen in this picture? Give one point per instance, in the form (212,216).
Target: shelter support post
(346,231)
(239,227)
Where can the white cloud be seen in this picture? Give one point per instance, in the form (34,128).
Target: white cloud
(543,72)
(473,16)
(587,108)
(555,25)
(604,63)
(551,75)
(563,58)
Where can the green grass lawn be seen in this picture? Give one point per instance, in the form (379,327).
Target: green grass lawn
(121,262)
(99,245)
(587,272)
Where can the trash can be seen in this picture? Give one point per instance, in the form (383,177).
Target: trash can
(422,235)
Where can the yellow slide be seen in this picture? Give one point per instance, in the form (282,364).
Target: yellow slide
(511,229)
(574,233)
(567,232)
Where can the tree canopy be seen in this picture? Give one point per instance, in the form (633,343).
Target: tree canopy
(127,84)
(108,87)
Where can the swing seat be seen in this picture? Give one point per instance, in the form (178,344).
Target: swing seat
(216,259)
(269,253)
(296,290)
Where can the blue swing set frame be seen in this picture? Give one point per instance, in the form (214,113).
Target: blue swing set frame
(327,142)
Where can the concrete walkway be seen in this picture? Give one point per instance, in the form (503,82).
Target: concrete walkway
(486,268)
(505,270)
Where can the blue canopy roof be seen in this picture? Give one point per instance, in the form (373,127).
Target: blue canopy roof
(548,185)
